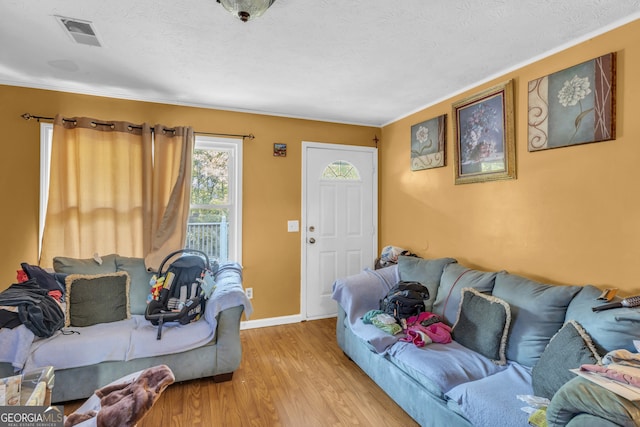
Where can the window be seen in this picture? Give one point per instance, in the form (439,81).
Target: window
(215,217)
(214,225)
(46,136)
(341,169)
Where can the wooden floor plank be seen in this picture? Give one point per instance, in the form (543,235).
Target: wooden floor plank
(290,375)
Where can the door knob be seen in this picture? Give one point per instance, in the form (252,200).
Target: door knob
(312,240)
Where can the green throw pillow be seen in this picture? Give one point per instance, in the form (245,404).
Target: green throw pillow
(568,349)
(93,299)
(483,325)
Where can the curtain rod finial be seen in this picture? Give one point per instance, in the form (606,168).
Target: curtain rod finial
(26,116)
(251,136)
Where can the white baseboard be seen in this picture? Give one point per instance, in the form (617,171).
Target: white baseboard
(272,321)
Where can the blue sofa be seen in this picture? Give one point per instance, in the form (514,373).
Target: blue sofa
(520,337)
(87,358)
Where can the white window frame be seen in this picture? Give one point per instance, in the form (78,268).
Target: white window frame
(232,145)
(46,137)
(234,148)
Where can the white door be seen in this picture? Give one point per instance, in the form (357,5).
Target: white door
(339,223)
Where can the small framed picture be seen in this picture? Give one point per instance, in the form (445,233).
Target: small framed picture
(428,144)
(280,150)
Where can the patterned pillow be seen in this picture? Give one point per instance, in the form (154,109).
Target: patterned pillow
(483,325)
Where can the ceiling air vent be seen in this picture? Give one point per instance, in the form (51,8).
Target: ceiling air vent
(80,31)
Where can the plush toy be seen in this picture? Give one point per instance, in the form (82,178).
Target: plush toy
(124,404)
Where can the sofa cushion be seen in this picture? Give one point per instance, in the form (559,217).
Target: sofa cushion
(455,277)
(568,349)
(440,367)
(85,266)
(140,278)
(492,401)
(609,329)
(91,345)
(537,313)
(100,298)
(483,324)
(425,271)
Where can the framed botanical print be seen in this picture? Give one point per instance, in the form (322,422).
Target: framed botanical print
(484,136)
(573,106)
(428,144)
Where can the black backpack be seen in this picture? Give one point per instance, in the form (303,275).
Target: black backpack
(405,299)
(181,297)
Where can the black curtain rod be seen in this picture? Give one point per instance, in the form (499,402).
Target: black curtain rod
(28,116)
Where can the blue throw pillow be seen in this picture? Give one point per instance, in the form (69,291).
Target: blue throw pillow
(609,329)
(537,313)
(455,277)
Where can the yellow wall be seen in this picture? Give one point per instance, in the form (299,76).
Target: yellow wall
(272,186)
(572,216)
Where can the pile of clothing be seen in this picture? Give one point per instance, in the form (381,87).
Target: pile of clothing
(422,329)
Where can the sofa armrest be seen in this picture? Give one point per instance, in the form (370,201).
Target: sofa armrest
(362,292)
(582,397)
(228,346)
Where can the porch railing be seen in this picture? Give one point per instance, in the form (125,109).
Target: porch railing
(210,238)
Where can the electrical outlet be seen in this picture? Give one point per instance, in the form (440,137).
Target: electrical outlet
(249,292)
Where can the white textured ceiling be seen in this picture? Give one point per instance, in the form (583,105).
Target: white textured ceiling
(354,61)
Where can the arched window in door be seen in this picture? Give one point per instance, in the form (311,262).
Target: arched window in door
(341,169)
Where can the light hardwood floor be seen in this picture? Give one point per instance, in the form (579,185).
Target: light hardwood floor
(290,375)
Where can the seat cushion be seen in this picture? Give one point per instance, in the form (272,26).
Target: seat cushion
(492,401)
(433,366)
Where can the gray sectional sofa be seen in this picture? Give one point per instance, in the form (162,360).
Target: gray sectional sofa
(87,358)
(520,339)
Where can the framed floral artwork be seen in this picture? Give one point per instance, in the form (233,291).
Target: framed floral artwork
(573,106)
(483,128)
(428,144)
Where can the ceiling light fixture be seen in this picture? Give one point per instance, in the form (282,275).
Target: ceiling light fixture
(246,10)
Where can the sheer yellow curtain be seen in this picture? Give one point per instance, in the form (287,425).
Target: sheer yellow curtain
(170,199)
(99,190)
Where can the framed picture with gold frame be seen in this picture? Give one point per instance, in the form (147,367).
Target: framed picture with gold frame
(484,135)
